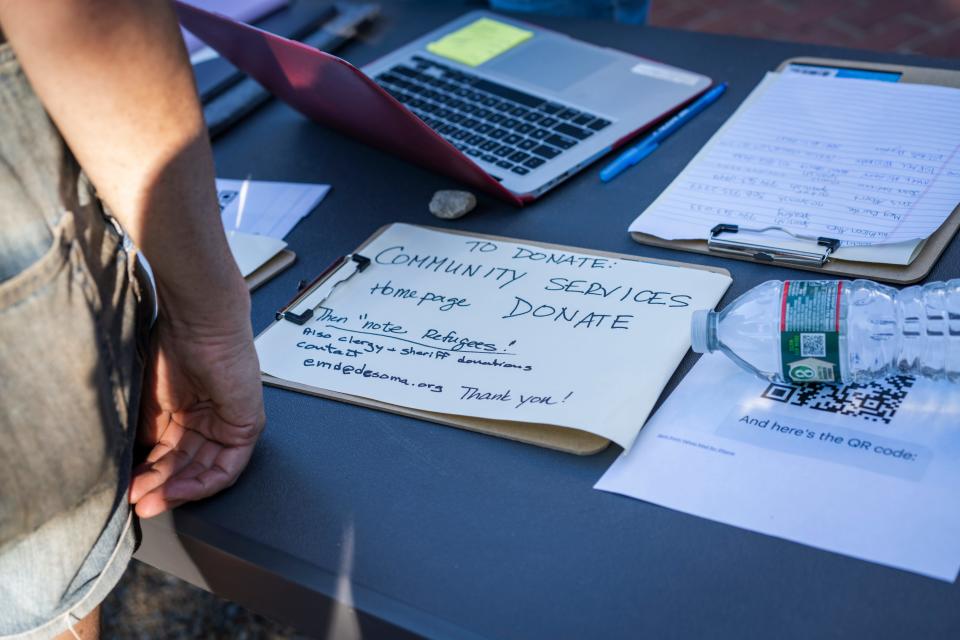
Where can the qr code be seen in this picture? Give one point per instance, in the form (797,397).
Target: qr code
(226,196)
(876,401)
(813,345)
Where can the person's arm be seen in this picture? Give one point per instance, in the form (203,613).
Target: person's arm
(115,78)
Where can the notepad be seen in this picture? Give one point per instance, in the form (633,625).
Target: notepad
(479,41)
(874,165)
(251,251)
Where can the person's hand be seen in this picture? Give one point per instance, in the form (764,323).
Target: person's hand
(201,412)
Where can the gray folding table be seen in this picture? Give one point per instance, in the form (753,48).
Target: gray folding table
(352,516)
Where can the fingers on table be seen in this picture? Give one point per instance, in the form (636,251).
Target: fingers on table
(210,474)
(194,468)
(176,449)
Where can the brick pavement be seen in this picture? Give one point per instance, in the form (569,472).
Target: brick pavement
(930,27)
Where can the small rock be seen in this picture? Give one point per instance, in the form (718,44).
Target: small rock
(451,205)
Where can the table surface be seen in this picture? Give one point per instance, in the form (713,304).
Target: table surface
(441,532)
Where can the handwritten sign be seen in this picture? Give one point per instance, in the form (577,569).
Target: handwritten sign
(502,330)
(861,161)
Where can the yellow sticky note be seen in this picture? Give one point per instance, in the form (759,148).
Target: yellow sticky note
(479,41)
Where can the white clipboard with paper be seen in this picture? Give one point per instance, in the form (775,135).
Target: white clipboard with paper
(829,173)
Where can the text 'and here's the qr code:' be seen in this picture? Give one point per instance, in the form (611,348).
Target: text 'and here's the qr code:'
(876,401)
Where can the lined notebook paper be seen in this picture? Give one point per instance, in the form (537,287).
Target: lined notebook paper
(868,163)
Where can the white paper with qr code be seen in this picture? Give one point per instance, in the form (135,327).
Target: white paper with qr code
(868,470)
(498,329)
(266,208)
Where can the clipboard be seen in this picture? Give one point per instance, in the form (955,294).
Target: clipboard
(816,252)
(553,437)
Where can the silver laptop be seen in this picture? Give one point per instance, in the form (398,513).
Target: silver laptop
(540,111)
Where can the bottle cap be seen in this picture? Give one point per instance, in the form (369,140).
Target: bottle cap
(700,331)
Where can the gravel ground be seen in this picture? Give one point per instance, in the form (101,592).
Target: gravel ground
(151,605)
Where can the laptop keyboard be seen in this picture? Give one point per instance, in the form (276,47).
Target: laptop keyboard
(511,129)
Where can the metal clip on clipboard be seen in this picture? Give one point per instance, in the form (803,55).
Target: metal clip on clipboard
(311,297)
(795,249)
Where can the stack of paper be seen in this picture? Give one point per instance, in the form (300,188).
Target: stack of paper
(258,215)
(872,164)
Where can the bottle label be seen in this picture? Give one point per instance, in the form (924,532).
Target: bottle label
(810,330)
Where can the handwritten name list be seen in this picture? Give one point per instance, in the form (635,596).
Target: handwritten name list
(862,161)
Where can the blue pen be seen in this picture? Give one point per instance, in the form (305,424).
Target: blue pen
(635,154)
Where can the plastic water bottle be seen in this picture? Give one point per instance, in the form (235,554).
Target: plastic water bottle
(837,330)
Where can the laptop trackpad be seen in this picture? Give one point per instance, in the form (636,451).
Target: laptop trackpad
(550,64)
